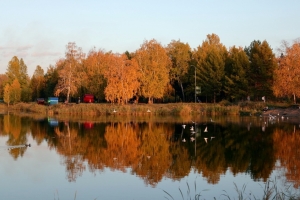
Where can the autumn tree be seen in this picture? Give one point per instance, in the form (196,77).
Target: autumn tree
(94,66)
(236,68)
(15,91)
(180,56)
(6,94)
(154,66)
(210,63)
(122,79)
(262,66)
(17,69)
(12,92)
(37,82)
(3,81)
(70,76)
(286,75)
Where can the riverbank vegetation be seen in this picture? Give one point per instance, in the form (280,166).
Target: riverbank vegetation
(169,109)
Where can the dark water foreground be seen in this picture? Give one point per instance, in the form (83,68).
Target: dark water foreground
(148,158)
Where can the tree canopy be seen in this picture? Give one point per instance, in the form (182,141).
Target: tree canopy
(210,72)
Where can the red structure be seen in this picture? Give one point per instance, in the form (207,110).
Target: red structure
(88,98)
(40,101)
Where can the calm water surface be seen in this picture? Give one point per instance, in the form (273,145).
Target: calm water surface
(148,158)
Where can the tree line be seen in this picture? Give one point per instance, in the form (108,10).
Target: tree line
(154,73)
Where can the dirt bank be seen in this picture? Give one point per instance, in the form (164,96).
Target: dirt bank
(293,111)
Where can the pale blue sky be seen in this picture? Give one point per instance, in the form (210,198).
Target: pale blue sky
(39,30)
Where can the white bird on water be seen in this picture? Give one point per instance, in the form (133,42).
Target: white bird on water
(205,130)
(183,126)
(205,139)
(183,140)
(192,139)
(192,128)
(114,111)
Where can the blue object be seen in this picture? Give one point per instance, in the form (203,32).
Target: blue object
(52,100)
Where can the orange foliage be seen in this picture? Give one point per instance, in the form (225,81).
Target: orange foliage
(122,79)
(288,153)
(287,74)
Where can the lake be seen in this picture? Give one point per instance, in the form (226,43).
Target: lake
(148,158)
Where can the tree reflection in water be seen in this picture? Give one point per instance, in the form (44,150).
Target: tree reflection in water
(153,150)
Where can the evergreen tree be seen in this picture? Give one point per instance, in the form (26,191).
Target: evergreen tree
(262,66)
(38,83)
(51,80)
(236,84)
(210,58)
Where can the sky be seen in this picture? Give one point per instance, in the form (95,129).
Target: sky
(39,30)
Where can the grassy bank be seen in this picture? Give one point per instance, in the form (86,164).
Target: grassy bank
(171,109)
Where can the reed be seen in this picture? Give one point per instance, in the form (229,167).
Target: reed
(189,195)
(270,192)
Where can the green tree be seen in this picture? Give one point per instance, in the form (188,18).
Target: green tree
(210,58)
(154,65)
(262,66)
(180,55)
(237,64)
(51,80)
(37,82)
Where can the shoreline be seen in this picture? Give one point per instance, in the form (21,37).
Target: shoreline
(142,110)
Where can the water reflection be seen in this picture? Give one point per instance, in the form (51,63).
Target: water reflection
(154,150)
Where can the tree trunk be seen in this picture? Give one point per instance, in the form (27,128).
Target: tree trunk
(181,86)
(68,94)
(214,97)
(150,100)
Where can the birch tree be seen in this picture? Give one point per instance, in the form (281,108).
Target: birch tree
(70,76)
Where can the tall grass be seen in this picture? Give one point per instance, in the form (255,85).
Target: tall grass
(189,195)
(270,192)
(178,109)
